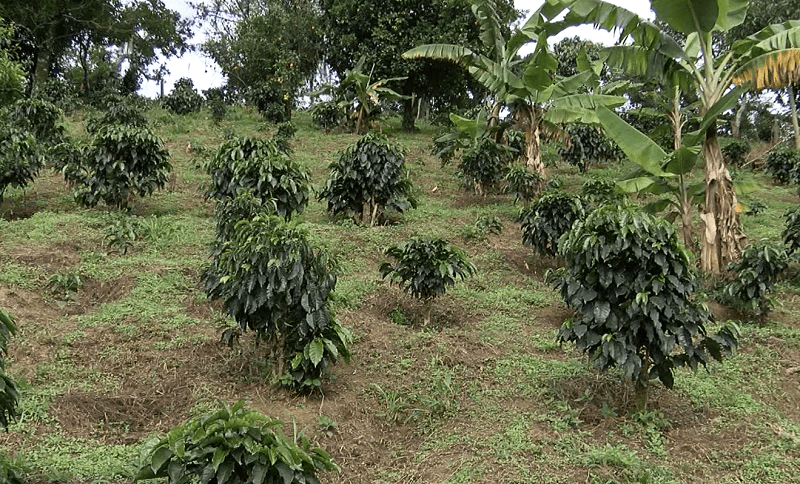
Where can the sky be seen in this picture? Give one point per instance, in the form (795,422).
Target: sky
(205,73)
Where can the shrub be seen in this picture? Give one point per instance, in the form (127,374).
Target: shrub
(232,446)
(215,99)
(600,192)
(242,164)
(272,281)
(587,144)
(516,141)
(58,91)
(20,160)
(327,115)
(782,164)
(425,267)
(756,274)
(117,114)
(523,183)
(8,389)
(283,133)
(483,226)
(122,162)
(735,151)
(630,283)
(183,99)
(369,178)
(791,232)
(548,219)
(38,117)
(122,230)
(269,100)
(482,165)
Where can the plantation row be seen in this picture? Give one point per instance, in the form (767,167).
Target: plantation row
(626,274)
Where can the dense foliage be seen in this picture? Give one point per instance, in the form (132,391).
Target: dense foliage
(755,276)
(271,101)
(523,183)
(380,30)
(588,144)
(791,231)
(183,99)
(8,389)
(482,165)
(121,114)
(783,164)
(232,446)
(327,115)
(122,162)
(598,192)
(426,267)
(735,151)
(242,164)
(39,118)
(547,219)
(217,106)
(20,159)
(368,179)
(630,283)
(272,281)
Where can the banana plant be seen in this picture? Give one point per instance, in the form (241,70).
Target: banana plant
(529,95)
(359,96)
(719,78)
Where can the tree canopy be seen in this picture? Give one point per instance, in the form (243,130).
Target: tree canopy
(381,30)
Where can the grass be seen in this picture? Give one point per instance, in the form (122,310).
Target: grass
(485,394)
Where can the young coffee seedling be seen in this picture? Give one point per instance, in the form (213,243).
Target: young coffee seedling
(425,267)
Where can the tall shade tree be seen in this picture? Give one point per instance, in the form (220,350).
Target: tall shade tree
(527,86)
(55,27)
(381,30)
(719,77)
(257,42)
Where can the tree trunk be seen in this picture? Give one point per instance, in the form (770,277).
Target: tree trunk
(428,312)
(533,154)
(408,115)
(723,239)
(795,127)
(642,383)
(362,121)
(686,222)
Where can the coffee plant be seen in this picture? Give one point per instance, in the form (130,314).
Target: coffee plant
(600,192)
(272,281)
(122,162)
(232,446)
(735,151)
(547,219)
(65,285)
(8,388)
(630,282)
(283,133)
(756,274)
(183,99)
(215,99)
(57,91)
(118,114)
(783,164)
(242,164)
(523,183)
(425,268)
(483,226)
(756,207)
(482,165)
(587,144)
(39,118)
(791,231)
(327,115)
(271,102)
(516,141)
(20,159)
(368,179)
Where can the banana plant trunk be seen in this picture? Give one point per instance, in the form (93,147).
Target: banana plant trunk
(795,126)
(723,239)
(533,153)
